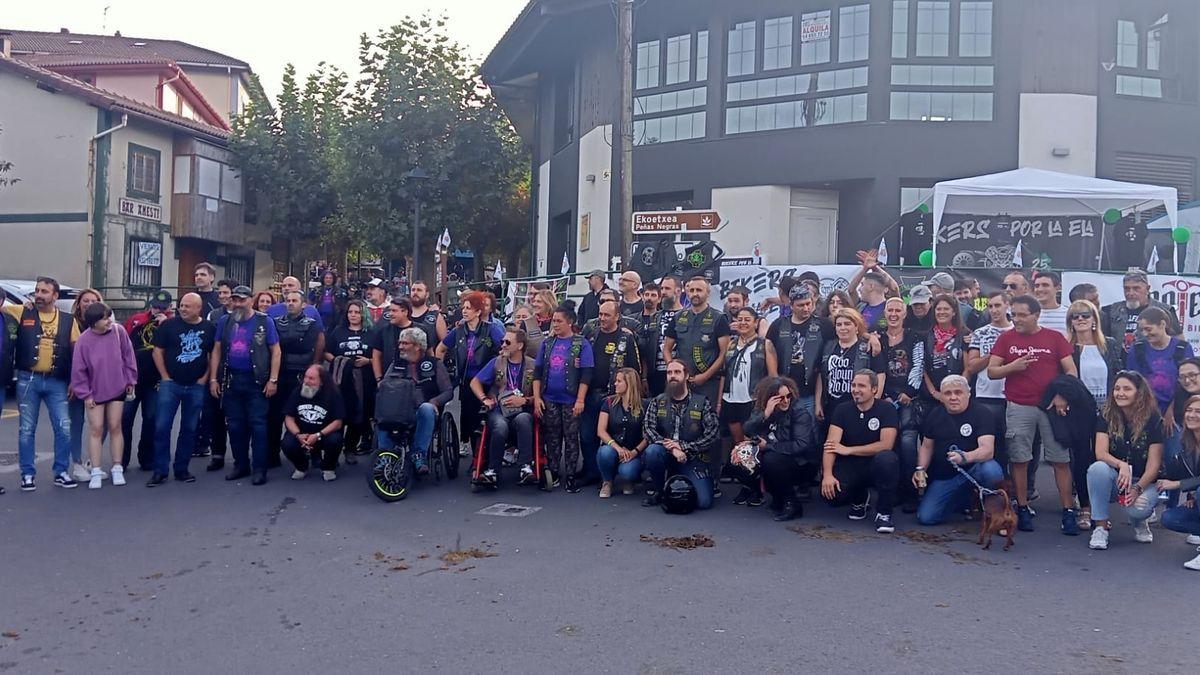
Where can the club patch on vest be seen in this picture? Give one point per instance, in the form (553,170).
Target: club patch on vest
(695,414)
(426,366)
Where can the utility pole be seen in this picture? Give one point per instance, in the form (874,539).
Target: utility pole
(625,58)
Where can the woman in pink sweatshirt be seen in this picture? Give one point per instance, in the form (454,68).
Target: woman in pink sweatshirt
(103,373)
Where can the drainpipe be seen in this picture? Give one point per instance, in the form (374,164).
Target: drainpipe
(98,153)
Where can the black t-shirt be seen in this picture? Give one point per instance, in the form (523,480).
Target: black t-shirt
(314,414)
(346,342)
(951,432)
(209,300)
(385,338)
(863,428)
(1128,448)
(901,377)
(186,347)
(791,357)
(604,346)
(838,365)
(632,309)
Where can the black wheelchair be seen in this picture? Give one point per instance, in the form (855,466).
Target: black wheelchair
(391,471)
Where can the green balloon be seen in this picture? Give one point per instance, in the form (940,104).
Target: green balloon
(1181,235)
(1112,215)
(926,258)
(923,208)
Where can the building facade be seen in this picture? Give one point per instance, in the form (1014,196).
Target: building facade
(812,125)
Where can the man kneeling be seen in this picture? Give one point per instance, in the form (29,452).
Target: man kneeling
(313,418)
(858,454)
(961,434)
(681,427)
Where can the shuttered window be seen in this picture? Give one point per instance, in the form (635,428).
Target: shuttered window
(1176,172)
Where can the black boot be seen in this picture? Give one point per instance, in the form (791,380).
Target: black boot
(791,510)
(215,464)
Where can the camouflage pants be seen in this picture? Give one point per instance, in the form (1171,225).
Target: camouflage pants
(560,433)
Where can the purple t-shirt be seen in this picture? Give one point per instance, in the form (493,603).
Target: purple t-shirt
(238,350)
(1159,368)
(559,356)
(873,315)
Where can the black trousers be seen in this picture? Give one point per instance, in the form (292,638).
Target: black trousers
(781,473)
(857,476)
(288,382)
(145,397)
(212,432)
(329,448)
(470,414)
(500,429)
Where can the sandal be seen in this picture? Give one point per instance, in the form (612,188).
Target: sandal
(1084,520)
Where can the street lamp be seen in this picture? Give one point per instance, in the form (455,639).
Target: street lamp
(416,174)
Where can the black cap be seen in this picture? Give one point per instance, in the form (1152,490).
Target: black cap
(161,300)
(241,292)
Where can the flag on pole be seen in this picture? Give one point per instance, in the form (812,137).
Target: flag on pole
(757,253)
(444,240)
(1175,258)
(498,274)
(1018,259)
(566,264)
(1152,265)
(881,256)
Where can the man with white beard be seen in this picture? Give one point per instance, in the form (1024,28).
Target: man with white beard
(1120,319)
(313,419)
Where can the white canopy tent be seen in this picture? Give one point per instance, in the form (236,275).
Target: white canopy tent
(1035,192)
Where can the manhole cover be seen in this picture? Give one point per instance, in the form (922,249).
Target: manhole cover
(509,510)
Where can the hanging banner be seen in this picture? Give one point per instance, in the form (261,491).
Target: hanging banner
(1181,294)
(1050,242)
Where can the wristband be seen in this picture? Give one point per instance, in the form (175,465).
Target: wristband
(921,469)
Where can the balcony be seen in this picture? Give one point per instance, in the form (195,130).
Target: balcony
(207,201)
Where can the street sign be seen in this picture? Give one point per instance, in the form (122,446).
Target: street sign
(675,222)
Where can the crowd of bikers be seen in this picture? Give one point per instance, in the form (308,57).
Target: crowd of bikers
(861,398)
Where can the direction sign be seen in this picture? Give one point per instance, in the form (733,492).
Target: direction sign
(675,222)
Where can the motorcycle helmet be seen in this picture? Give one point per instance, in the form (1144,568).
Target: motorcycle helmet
(679,495)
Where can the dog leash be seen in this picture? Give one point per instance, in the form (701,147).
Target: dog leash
(983,492)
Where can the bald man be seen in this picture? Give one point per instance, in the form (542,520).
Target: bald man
(182,345)
(279,310)
(630,285)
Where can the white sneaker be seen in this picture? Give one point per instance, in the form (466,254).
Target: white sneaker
(1193,564)
(1155,516)
(96,480)
(1193,540)
(1099,540)
(118,475)
(298,474)
(328,476)
(79,472)
(1142,533)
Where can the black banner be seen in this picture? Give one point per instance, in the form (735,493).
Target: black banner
(1057,242)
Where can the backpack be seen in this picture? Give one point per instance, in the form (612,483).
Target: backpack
(1178,354)
(396,401)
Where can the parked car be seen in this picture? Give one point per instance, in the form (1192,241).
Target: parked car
(17,290)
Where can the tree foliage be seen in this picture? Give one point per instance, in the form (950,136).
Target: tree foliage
(331,161)
(6,168)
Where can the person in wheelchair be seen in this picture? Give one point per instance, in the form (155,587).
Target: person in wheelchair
(505,386)
(433,391)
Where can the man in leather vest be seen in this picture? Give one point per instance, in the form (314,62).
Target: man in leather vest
(798,339)
(427,318)
(699,337)
(43,360)
(244,373)
(302,344)
(681,427)
(434,391)
(211,434)
(1120,319)
(505,386)
(664,316)
(613,347)
(279,309)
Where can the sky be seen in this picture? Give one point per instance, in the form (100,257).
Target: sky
(267,34)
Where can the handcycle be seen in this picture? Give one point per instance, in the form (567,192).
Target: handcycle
(391,471)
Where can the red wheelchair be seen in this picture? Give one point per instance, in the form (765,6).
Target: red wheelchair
(541,468)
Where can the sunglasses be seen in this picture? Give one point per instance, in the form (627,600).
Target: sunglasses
(1010,286)
(506,343)
(785,397)
(1076,317)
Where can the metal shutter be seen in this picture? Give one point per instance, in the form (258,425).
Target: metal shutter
(1176,172)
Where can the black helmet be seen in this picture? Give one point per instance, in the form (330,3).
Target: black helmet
(679,495)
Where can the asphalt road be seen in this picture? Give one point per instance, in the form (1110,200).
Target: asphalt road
(307,577)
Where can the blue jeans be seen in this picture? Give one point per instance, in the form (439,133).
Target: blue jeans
(943,497)
(809,403)
(661,463)
(589,440)
(422,434)
(245,408)
(34,389)
(1183,519)
(1102,489)
(1172,445)
(610,465)
(172,396)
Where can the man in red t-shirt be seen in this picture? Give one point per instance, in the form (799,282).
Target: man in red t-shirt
(1028,358)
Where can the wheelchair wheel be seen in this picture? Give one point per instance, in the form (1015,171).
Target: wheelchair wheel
(448,444)
(391,473)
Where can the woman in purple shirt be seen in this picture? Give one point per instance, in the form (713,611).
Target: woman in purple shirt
(103,373)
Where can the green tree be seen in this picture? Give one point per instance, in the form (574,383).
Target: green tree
(6,168)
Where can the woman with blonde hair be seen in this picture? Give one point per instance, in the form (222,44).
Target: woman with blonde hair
(80,469)
(1129,451)
(1098,359)
(620,432)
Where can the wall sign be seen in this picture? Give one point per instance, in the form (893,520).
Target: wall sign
(812,30)
(149,254)
(142,210)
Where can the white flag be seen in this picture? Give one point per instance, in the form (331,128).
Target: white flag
(1152,266)
(566,263)
(444,240)
(498,274)
(1018,259)
(881,255)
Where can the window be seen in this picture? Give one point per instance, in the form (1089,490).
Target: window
(679,59)
(208,178)
(183,174)
(943,76)
(647,65)
(900,29)
(240,269)
(702,56)
(1154,48)
(797,85)
(170,99)
(854,33)
(1146,87)
(142,172)
(975,29)
(912,197)
(777,43)
(672,100)
(564,107)
(814,38)
(1127,44)
(933,28)
(145,263)
(231,184)
(941,106)
(741,49)
(667,129)
(810,112)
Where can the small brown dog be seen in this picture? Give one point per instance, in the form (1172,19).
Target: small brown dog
(998,516)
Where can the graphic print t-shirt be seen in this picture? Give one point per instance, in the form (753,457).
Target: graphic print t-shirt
(186,347)
(314,414)
(238,350)
(558,355)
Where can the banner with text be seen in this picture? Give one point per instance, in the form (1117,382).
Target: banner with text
(1058,242)
(1181,294)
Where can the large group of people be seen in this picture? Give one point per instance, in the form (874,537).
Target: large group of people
(870,398)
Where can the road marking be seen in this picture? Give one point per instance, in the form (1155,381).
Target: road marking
(6,414)
(509,510)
